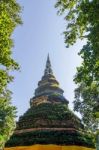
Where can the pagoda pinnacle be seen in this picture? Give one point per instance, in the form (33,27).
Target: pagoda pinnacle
(48,69)
(48,85)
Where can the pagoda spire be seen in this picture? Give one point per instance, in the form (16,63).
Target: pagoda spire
(48,85)
(48,69)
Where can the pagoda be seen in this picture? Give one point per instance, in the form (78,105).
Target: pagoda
(49,120)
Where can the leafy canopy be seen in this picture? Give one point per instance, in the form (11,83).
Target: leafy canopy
(9,19)
(82,22)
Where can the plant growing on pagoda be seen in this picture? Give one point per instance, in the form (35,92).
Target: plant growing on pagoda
(49,137)
(9,19)
(82,19)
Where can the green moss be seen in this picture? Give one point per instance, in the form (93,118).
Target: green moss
(50,137)
(49,113)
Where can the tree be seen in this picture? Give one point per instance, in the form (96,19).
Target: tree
(7,118)
(9,19)
(82,18)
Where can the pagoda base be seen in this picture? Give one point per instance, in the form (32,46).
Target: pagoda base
(48,147)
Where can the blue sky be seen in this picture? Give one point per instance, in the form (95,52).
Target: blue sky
(40,34)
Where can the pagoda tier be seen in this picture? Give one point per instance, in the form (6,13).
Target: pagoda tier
(49,120)
(50,123)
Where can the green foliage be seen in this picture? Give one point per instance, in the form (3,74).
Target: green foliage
(51,137)
(9,19)
(51,114)
(82,18)
(7,118)
(85,100)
